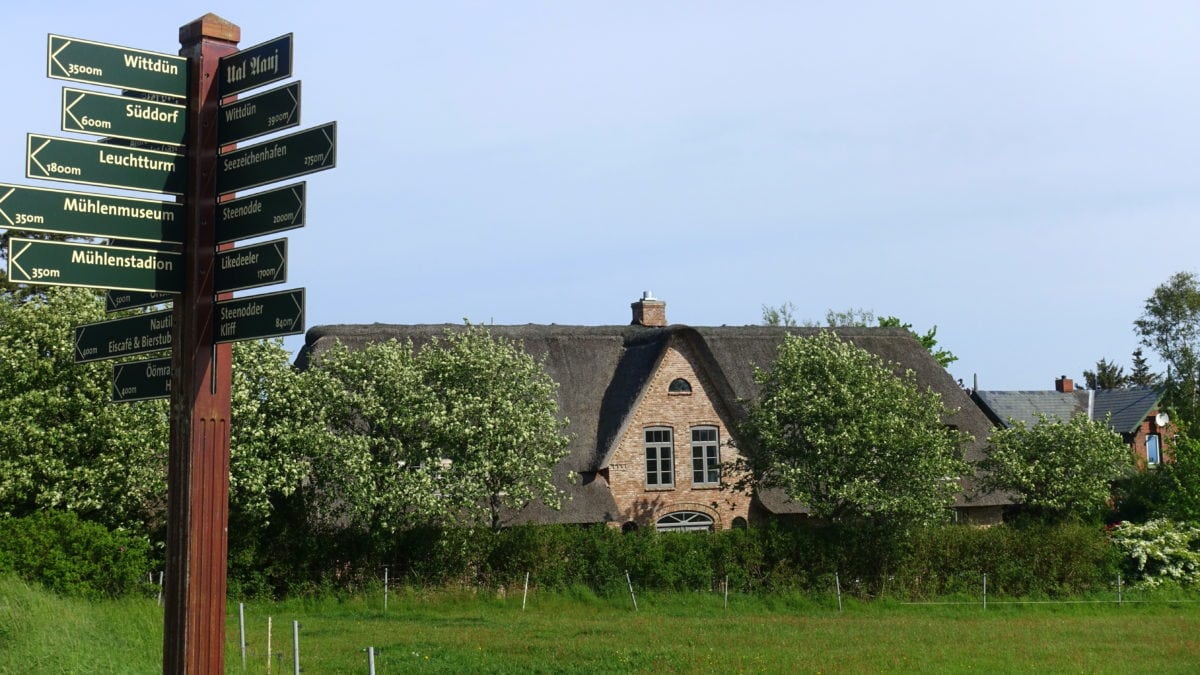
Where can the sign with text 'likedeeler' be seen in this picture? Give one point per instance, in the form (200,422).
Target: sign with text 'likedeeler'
(125,117)
(141,380)
(138,334)
(260,316)
(262,213)
(87,214)
(114,66)
(103,164)
(57,263)
(255,66)
(297,154)
(251,266)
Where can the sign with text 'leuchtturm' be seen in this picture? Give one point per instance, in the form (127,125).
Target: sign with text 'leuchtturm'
(103,164)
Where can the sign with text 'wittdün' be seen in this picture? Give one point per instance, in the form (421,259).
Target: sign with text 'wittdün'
(260,114)
(57,263)
(87,214)
(114,66)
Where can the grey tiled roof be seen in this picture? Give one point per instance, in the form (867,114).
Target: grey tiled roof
(1128,407)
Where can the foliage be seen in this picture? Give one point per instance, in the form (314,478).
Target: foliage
(71,556)
(1141,375)
(63,443)
(1106,376)
(1178,480)
(459,431)
(846,436)
(1161,551)
(1058,469)
(785,315)
(944,357)
(1170,325)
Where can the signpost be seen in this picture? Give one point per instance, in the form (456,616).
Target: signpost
(297,154)
(260,114)
(104,164)
(255,66)
(252,266)
(57,263)
(126,117)
(116,301)
(261,316)
(141,380)
(262,213)
(86,214)
(113,66)
(138,334)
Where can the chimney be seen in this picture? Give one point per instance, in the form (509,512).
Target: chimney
(1064,385)
(649,311)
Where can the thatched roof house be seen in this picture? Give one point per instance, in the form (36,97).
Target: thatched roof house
(636,391)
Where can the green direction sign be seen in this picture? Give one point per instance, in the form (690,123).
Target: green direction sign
(260,114)
(255,66)
(85,214)
(113,66)
(251,266)
(140,334)
(141,380)
(261,316)
(115,301)
(56,263)
(297,154)
(267,212)
(104,164)
(114,116)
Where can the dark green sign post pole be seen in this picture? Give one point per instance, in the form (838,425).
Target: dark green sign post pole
(198,465)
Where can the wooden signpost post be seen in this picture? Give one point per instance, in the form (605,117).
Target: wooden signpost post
(178,253)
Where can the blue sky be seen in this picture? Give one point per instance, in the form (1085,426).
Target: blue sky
(1020,174)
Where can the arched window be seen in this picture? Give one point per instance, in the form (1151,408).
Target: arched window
(629,527)
(739,523)
(685,521)
(680,386)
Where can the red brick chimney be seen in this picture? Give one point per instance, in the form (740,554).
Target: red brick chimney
(649,311)
(1064,385)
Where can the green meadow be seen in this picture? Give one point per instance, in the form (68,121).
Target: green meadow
(446,631)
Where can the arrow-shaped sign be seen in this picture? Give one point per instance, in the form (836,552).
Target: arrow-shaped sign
(135,119)
(263,113)
(116,301)
(285,157)
(139,334)
(260,316)
(87,214)
(57,263)
(261,213)
(114,66)
(103,164)
(255,66)
(141,380)
(251,266)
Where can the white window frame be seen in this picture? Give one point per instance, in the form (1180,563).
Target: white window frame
(1156,458)
(685,521)
(660,457)
(706,456)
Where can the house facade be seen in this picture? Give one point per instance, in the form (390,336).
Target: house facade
(653,410)
(1134,413)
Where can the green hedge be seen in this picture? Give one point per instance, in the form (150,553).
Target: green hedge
(73,557)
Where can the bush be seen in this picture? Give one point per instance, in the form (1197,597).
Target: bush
(73,557)
(1160,551)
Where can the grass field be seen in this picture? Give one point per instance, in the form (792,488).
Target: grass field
(578,632)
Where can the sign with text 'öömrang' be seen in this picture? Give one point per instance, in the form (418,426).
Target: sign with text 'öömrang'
(141,380)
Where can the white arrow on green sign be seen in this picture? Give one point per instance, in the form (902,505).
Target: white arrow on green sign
(57,263)
(297,154)
(116,301)
(114,66)
(255,66)
(261,213)
(138,334)
(260,316)
(262,264)
(141,380)
(114,116)
(260,114)
(87,214)
(102,164)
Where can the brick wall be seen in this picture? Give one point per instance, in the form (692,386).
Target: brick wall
(644,504)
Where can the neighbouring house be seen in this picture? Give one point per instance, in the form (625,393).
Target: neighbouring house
(1134,413)
(653,410)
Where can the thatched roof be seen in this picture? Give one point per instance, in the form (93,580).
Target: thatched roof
(601,371)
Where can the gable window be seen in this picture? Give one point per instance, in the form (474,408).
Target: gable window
(706,458)
(679,386)
(1153,450)
(660,457)
(685,521)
